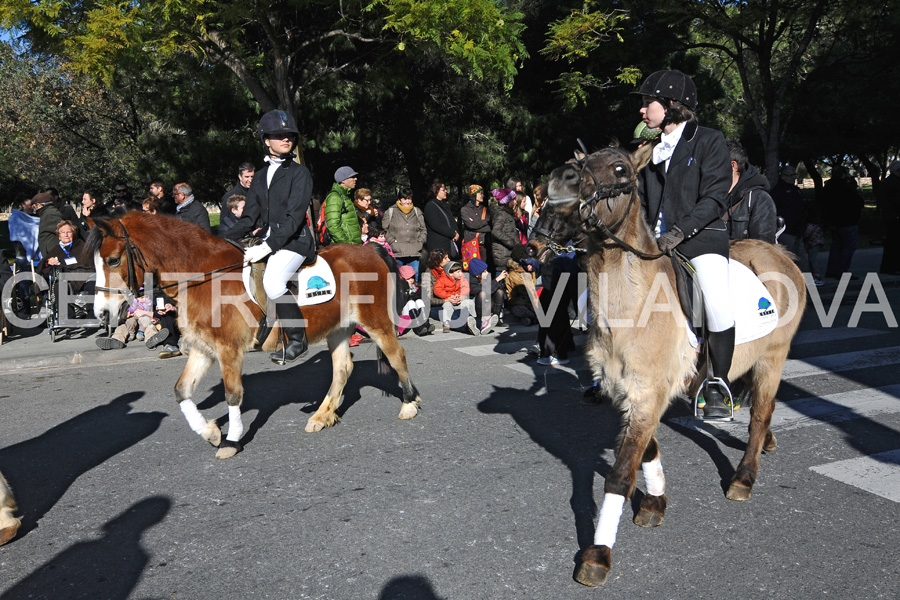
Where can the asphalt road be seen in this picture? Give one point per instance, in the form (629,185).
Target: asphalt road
(489,493)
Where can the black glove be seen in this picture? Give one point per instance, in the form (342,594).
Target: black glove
(670,239)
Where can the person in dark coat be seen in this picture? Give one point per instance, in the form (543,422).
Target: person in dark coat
(683,192)
(246,171)
(790,206)
(49,217)
(751,210)
(889,203)
(277,204)
(439,221)
(504,234)
(842,207)
(476,220)
(189,208)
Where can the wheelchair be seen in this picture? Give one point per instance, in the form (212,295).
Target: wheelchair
(21,299)
(81,303)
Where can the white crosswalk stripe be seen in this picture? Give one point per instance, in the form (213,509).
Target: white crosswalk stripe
(876,473)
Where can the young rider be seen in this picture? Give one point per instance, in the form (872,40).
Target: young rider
(683,191)
(277,204)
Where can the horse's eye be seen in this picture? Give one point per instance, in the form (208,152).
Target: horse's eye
(114,261)
(620,171)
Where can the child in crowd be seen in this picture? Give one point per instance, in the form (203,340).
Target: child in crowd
(487,292)
(452,287)
(378,236)
(235,205)
(520,288)
(414,309)
(139,323)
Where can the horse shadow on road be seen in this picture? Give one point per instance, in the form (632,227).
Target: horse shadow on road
(304,383)
(552,414)
(108,567)
(42,469)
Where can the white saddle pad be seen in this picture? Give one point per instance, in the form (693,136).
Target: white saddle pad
(755,313)
(316,283)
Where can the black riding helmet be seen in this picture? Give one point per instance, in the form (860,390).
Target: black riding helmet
(275,122)
(670,85)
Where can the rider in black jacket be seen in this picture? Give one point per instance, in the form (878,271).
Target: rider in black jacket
(276,206)
(683,191)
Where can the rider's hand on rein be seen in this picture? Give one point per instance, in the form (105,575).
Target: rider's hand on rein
(669,240)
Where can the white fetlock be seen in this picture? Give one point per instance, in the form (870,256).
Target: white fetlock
(654,477)
(608,524)
(193,416)
(235,426)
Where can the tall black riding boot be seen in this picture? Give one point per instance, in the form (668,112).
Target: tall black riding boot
(721,351)
(289,315)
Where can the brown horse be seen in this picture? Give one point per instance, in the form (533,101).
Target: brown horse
(643,359)
(219,321)
(9,525)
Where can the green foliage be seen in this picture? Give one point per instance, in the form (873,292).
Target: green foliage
(480,40)
(578,39)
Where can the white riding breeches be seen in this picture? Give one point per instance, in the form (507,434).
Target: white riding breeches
(712,275)
(281,267)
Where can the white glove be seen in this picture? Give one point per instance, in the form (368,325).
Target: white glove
(257,253)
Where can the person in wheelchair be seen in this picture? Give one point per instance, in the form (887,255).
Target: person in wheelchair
(70,257)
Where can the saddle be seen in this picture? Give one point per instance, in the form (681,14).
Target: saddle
(755,313)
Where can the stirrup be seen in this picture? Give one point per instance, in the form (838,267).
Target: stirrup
(717,381)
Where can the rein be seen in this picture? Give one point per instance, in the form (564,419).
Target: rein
(132,252)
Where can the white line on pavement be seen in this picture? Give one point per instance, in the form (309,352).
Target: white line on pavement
(876,473)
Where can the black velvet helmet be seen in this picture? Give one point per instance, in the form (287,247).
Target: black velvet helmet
(276,122)
(672,85)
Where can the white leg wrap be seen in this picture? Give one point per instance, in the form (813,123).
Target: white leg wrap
(193,416)
(608,525)
(235,426)
(654,477)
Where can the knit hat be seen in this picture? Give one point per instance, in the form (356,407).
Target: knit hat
(407,272)
(477,267)
(344,173)
(504,196)
(451,266)
(473,190)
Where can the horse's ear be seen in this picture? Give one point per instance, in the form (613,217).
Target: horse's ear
(579,156)
(641,156)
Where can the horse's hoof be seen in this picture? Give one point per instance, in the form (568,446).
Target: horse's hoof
(212,433)
(227,449)
(771,443)
(409,410)
(314,426)
(8,533)
(653,509)
(738,492)
(592,396)
(594,567)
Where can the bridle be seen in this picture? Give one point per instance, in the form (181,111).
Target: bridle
(587,207)
(133,255)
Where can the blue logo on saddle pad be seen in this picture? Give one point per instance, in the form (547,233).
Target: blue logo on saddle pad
(316,283)
(764,303)
(765,307)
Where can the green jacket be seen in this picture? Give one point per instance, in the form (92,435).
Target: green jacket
(340,216)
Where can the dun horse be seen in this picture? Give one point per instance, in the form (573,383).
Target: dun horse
(645,366)
(219,321)
(9,525)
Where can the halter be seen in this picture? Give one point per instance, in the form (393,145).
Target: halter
(132,252)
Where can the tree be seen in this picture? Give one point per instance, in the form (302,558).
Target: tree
(773,46)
